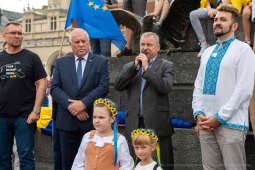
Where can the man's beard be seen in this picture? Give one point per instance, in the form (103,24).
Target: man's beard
(220,34)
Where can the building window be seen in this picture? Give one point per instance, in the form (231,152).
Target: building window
(28,25)
(53,23)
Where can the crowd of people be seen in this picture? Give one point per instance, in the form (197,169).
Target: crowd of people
(85,131)
(207,10)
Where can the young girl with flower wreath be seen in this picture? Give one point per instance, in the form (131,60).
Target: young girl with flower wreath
(145,141)
(103,148)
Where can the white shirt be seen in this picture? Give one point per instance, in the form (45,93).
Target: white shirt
(124,159)
(233,88)
(83,62)
(147,167)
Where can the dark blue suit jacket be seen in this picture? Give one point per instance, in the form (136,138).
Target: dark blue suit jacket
(95,84)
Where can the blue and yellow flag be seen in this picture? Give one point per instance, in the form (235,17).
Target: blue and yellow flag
(96,19)
(44,124)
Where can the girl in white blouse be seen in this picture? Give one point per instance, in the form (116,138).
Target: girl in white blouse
(103,148)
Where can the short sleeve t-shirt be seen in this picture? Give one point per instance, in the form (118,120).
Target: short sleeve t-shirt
(18,73)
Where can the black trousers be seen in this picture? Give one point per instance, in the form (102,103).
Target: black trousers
(166,149)
(69,145)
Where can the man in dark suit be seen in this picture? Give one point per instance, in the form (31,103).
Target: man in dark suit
(78,80)
(148,81)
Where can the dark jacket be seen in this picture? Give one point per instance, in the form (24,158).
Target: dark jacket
(159,79)
(95,84)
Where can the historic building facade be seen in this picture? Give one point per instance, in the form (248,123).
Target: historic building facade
(44,30)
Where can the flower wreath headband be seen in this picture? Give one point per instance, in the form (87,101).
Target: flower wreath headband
(152,135)
(113,109)
(109,104)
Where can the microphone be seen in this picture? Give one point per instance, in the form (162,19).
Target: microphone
(144,52)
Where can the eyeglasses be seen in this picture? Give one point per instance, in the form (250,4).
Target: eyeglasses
(15,33)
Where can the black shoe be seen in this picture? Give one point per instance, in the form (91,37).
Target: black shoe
(178,38)
(125,52)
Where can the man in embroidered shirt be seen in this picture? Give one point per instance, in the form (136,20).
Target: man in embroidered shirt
(221,96)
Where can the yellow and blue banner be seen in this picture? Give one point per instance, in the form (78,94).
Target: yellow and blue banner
(44,124)
(94,17)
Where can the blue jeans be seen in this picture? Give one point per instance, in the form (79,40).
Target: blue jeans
(195,16)
(56,147)
(24,133)
(101,47)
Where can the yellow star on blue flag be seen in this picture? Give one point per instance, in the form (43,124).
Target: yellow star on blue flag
(96,19)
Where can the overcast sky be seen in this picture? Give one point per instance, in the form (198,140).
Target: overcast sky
(18,5)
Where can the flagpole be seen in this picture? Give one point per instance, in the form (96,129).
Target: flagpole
(62,43)
(63,36)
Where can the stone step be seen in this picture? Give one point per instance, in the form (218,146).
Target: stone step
(186,147)
(187,154)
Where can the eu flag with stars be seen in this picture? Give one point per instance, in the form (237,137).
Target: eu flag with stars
(94,17)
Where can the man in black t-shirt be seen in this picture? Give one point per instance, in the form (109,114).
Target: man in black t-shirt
(22,90)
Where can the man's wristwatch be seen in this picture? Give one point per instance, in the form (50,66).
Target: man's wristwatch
(36,111)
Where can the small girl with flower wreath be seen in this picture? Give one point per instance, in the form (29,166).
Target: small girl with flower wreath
(145,142)
(103,148)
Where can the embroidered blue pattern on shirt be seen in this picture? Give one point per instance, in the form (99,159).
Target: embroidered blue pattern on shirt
(213,66)
(230,125)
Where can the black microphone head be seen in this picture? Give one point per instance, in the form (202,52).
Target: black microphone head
(145,52)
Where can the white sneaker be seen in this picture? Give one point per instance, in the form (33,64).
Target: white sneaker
(202,50)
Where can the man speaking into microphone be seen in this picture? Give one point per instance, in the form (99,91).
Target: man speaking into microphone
(148,85)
